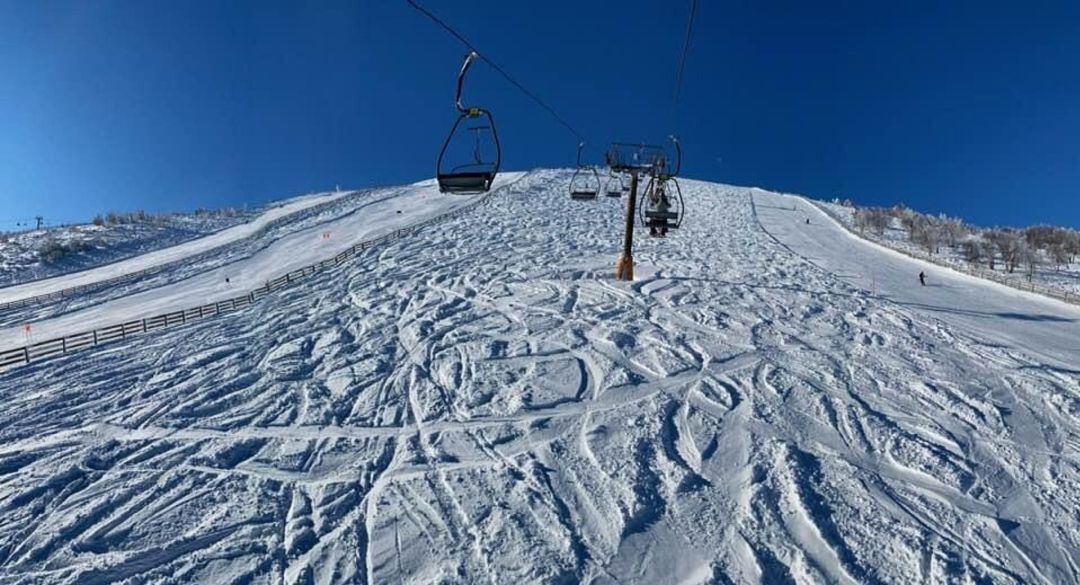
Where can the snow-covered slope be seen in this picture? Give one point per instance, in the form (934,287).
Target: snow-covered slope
(50,252)
(482,402)
(381,212)
(1042,327)
(1058,279)
(166,255)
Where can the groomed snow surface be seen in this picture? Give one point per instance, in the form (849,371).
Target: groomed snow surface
(163,256)
(480,402)
(53,251)
(373,214)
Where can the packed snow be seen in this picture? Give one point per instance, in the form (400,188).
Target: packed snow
(480,401)
(1061,277)
(381,212)
(166,255)
(52,251)
(1040,326)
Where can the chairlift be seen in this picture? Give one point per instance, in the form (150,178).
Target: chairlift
(615,185)
(580,185)
(663,207)
(476,175)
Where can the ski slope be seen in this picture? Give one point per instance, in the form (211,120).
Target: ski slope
(1046,328)
(165,255)
(381,213)
(480,402)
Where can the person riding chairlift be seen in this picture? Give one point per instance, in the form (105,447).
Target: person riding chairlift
(660,202)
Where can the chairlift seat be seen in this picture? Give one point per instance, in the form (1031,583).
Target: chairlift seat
(455,179)
(614,192)
(470,182)
(583,194)
(661,223)
(661,215)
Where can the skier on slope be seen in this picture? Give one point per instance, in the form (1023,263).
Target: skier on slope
(922,278)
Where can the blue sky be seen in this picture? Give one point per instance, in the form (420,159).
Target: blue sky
(967,108)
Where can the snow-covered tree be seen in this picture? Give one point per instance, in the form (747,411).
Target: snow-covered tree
(975,250)
(1009,245)
(926,233)
(873,219)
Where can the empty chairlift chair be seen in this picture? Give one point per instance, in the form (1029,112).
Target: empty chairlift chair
(476,174)
(585,183)
(614,186)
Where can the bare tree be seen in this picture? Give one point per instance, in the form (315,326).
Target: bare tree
(1009,245)
(907,219)
(874,219)
(1059,254)
(1071,245)
(926,233)
(952,229)
(1030,256)
(975,250)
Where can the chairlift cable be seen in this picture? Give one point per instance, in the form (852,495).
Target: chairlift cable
(496,67)
(685,52)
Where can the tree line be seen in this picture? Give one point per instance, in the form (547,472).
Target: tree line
(144,217)
(1011,248)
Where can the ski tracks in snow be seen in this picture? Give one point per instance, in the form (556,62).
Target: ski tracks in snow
(482,402)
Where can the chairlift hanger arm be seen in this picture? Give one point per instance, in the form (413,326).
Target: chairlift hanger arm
(496,67)
(678,155)
(469,59)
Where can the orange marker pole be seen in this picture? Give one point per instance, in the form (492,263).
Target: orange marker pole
(624,268)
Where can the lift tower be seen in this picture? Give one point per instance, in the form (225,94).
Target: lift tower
(633,159)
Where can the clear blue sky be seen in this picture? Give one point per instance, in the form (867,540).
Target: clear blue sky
(968,108)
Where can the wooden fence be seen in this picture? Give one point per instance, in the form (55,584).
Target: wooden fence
(1049,291)
(100,284)
(120,331)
